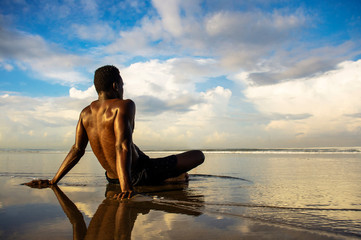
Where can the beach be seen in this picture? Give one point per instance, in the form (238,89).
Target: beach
(253,194)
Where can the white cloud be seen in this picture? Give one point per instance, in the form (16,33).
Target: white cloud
(249,26)
(187,129)
(89,93)
(47,61)
(33,122)
(327,101)
(300,63)
(216,139)
(170,14)
(240,39)
(151,39)
(170,85)
(194,69)
(169,79)
(94,32)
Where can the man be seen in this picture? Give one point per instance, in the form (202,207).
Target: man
(108,125)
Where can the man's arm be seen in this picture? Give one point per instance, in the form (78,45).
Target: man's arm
(73,157)
(123,147)
(75,153)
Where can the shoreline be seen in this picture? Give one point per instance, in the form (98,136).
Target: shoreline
(316,150)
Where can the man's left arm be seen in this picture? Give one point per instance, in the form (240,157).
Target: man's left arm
(123,132)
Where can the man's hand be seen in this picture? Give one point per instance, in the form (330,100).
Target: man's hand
(124,195)
(39,183)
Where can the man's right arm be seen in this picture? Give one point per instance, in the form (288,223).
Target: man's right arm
(73,157)
(75,153)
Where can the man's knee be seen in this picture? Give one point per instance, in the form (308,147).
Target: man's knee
(198,156)
(190,159)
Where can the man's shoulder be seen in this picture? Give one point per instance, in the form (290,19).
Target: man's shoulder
(85,111)
(127,103)
(126,106)
(109,105)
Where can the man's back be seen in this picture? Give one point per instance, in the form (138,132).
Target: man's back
(104,119)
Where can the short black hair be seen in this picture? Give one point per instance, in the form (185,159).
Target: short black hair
(104,78)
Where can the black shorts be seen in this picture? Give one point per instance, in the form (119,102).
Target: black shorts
(153,171)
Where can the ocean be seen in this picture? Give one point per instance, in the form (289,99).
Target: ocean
(312,193)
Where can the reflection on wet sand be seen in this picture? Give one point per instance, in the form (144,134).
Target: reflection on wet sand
(115,219)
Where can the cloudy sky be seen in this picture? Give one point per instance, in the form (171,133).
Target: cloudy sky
(203,74)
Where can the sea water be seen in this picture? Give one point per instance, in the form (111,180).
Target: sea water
(250,194)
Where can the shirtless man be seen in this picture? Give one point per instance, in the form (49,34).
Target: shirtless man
(108,125)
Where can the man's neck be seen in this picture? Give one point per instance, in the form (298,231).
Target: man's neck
(106,96)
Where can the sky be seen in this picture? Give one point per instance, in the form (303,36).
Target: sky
(203,74)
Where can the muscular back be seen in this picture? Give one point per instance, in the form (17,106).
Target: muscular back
(108,123)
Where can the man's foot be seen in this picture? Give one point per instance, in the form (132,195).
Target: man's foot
(184,177)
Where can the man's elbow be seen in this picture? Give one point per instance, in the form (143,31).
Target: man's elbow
(123,147)
(79,152)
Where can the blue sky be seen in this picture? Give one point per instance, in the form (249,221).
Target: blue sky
(203,74)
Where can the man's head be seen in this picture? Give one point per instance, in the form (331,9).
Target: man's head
(106,78)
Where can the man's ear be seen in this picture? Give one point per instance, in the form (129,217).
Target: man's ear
(115,86)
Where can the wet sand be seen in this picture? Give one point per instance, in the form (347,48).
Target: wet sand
(167,212)
(81,206)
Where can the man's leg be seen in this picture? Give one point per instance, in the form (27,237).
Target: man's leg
(189,160)
(185,162)
(173,168)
